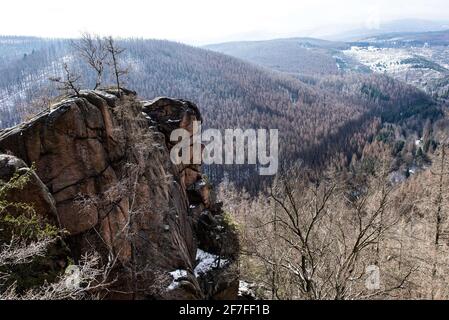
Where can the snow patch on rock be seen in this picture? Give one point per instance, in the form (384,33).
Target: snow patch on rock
(207,262)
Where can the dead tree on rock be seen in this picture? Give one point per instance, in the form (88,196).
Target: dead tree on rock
(115,51)
(92,50)
(70,82)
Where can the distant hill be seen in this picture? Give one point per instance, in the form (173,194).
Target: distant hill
(305,56)
(397,26)
(417,58)
(433,38)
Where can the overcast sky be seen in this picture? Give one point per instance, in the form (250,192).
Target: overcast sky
(206,21)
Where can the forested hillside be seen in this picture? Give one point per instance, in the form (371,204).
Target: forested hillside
(321,120)
(305,56)
(297,56)
(416,58)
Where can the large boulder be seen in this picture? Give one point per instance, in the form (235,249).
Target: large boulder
(103,161)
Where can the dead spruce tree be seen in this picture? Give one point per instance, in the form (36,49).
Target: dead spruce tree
(69,84)
(114,54)
(92,49)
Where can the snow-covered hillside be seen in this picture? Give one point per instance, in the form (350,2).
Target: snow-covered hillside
(425,67)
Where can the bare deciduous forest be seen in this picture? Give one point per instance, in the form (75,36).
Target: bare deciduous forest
(363,185)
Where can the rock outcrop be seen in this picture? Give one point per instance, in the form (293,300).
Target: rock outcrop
(34,191)
(103,173)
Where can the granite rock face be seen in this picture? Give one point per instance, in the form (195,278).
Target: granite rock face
(102,171)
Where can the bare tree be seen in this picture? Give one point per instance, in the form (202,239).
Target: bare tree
(26,238)
(70,82)
(88,280)
(115,51)
(93,50)
(314,238)
(441,175)
(18,252)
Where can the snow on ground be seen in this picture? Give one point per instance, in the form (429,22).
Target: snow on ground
(414,169)
(381,59)
(201,183)
(423,74)
(13,96)
(390,60)
(246,289)
(207,262)
(174,120)
(419,143)
(176,275)
(397,177)
(8,100)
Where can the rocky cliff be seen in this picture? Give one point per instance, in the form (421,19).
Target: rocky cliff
(103,174)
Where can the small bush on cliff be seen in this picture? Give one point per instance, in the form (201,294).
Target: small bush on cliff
(33,255)
(27,241)
(18,219)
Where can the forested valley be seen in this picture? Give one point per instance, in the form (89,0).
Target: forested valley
(364,168)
